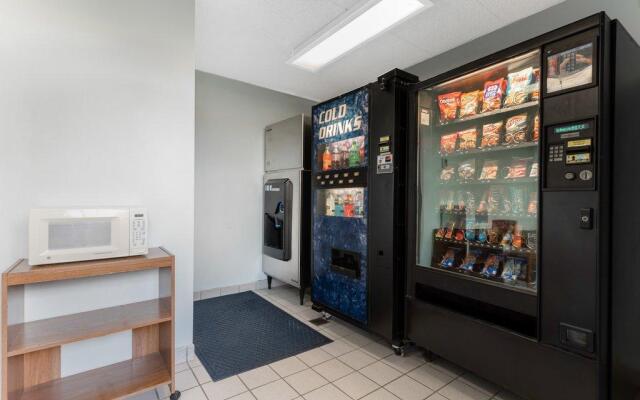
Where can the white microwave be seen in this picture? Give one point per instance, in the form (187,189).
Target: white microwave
(58,235)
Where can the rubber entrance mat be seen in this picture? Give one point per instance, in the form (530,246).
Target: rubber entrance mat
(239,332)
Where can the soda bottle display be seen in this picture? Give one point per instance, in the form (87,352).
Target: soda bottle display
(326,159)
(348,205)
(329,204)
(339,206)
(361,151)
(336,157)
(354,155)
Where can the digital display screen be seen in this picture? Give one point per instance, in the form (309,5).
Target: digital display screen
(571,68)
(571,128)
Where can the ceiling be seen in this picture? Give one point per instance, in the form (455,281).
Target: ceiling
(251,40)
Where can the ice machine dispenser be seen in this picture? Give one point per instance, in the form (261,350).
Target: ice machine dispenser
(277,219)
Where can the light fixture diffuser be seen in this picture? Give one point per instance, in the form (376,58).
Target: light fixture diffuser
(362,23)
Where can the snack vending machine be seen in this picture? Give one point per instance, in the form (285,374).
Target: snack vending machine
(358,226)
(523,267)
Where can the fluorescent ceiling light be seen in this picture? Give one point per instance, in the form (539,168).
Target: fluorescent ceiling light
(365,21)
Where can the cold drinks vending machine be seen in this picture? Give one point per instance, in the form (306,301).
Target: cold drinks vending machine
(358,222)
(522,258)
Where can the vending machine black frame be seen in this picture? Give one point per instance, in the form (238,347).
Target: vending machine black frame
(386,232)
(538,363)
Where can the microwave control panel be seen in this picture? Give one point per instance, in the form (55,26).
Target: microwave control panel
(138,220)
(570,156)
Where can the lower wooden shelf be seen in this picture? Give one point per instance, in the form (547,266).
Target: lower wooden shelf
(111,382)
(46,333)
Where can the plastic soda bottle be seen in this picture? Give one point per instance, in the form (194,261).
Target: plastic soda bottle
(326,159)
(359,206)
(348,206)
(335,157)
(330,204)
(354,155)
(345,154)
(339,207)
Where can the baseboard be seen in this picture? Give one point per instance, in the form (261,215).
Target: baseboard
(185,353)
(221,291)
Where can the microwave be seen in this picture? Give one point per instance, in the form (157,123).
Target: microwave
(60,235)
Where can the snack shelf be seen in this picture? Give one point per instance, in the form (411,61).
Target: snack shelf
(489,181)
(492,113)
(462,273)
(509,251)
(486,150)
(486,215)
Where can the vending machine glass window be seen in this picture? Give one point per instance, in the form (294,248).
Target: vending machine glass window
(478,174)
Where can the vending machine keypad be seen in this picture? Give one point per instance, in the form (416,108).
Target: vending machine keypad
(570,150)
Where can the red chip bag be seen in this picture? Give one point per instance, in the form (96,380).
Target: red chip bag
(448,104)
(491,134)
(448,143)
(493,92)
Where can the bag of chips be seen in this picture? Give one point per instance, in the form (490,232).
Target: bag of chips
(489,170)
(516,129)
(518,87)
(490,135)
(534,87)
(447,173)
(517,239)
(517,168)
(448,104)
(513,269)
(535,134)
(467,170)
(468,139)
(470,103)
(493,92)
(517,199)
(532,208)
(450,228)
(449,258)
(491,266)
(469,200)
(445,197)
(448,143)
(471,260)
(493,199)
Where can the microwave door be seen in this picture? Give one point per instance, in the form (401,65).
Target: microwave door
(73,235)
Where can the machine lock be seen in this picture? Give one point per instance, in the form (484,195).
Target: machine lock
(586,218)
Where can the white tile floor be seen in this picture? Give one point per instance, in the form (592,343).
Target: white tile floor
(356,365)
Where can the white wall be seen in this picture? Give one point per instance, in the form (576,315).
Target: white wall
(627,11)
(230,119)
(97,108)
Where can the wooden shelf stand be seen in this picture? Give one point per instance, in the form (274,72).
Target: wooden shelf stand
(31,350)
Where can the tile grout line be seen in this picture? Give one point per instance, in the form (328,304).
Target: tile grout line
(288,305)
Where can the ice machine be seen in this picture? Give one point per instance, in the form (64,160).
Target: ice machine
(286,204)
